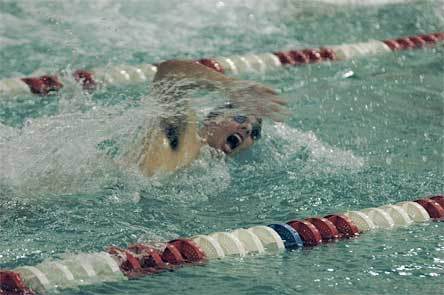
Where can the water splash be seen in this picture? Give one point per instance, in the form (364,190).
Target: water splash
(292,144)
(72,152)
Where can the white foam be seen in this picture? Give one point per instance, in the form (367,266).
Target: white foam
(293,142)
(72,152)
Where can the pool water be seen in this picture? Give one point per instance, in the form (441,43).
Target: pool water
(362,133)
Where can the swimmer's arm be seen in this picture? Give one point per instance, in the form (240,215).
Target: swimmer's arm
(248,96)
(195,75)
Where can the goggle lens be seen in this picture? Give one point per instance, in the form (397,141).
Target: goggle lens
(256,131)
(241,119)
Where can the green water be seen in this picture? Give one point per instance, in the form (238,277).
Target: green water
(373,138)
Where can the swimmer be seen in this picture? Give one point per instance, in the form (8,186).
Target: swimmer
(231,128)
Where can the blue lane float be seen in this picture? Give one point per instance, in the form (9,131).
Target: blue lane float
(290,237)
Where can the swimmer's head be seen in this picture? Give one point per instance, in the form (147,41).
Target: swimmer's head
(231,132)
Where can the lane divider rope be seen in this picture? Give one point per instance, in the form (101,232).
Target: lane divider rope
(124,75)
(139,260)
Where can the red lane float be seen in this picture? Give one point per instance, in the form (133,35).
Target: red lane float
(149,258)
(172,256)
(85,79)
(325,227)
(432,207)
(141,260)
(414,41)
(12,284)
(122,75)
(189,250)
(438,199)
(211,63)
(129,264)
(43,85)
(344,225)
(308,232)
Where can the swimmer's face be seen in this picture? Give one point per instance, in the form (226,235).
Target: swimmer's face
(232,134)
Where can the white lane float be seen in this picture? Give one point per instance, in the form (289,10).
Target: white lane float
(249,240)
(380,218)
(210,246)
(229,243)
(362,221)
